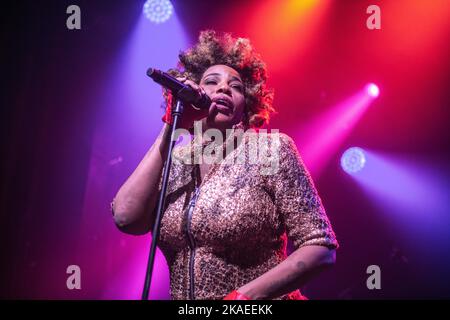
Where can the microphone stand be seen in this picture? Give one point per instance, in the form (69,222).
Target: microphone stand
(176,116)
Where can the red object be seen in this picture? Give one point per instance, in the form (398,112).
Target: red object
(235,295)
(167,118)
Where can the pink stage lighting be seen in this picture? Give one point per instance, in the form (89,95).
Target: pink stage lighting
(372,90)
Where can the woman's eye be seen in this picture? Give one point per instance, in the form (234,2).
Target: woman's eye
(210,82)
(238,87)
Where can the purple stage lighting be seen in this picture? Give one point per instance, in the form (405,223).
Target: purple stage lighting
(353,160)
(158,11)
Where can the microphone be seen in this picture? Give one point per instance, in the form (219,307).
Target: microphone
(179,89)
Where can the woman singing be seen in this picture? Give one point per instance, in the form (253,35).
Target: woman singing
(227,217)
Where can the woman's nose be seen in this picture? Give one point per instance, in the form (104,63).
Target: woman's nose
(223,87)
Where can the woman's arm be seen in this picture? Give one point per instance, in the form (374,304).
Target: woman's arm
(302,265)
(307,226)
(136,199)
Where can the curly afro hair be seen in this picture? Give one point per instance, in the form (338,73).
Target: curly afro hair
(213,49)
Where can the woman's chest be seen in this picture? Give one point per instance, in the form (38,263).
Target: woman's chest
(230,207)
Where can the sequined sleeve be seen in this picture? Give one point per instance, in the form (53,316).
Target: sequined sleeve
(179,171)
(298,201)
(174,170)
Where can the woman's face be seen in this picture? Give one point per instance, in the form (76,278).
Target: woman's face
(225,88)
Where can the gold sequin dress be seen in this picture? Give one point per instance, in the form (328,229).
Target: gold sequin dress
(233,226)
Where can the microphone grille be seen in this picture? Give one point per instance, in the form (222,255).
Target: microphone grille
(150,72)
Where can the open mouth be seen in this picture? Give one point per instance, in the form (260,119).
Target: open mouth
(223,105)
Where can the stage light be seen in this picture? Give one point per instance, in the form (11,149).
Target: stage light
(373,90)
(158,11)
(353,160)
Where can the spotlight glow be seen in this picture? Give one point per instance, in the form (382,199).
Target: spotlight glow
(158,11)
(373,90)
(353,160)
